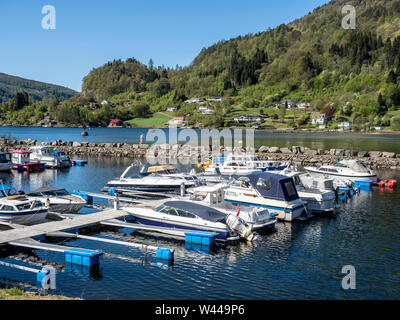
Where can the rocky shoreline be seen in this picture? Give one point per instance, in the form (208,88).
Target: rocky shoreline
(297,155)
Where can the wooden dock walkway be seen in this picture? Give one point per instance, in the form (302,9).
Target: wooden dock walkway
(63,225)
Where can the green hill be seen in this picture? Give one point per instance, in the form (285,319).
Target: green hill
(355,74)
(11,85)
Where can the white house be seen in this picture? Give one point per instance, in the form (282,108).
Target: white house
(345,125)
(179,121)
(104,102)
(194,100)
(172,108)
(205,110)
(318,119)
(303,105)
(215,99)
(248,119)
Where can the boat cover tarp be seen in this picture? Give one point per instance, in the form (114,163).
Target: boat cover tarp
(203,212)
(279,187)
(45,189)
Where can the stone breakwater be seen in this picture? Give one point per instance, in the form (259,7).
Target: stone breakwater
(302,156)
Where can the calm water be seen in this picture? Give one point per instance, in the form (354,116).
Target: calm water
(296,261)
(354,141)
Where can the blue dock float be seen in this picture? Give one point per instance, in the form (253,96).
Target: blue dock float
(201,237)
(79,163)
(83,257)
(363,185)
(85,195)
(165,254)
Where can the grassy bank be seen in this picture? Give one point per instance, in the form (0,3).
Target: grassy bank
(18,294)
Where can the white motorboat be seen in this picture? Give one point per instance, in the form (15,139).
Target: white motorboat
(185,215)
(58,199)
(275,192)
(318,200)
(346,169)
(213,196)
(20,210)
(5,161)
(151,181)
(46,154)
(240,163)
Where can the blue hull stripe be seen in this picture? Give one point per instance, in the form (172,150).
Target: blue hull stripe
(265,206)
(18,214)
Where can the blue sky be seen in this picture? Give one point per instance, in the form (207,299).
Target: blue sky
(90,33)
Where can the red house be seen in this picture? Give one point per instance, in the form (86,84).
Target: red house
(116,123)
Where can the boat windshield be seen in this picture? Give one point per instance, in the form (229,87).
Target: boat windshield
(174,211)
(356,166)
(242,182)
(24,206)
(263,184)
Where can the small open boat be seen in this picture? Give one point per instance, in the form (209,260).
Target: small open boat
(20,210)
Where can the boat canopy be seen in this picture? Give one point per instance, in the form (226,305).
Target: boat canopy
(203,212)
(48,190)
(160,168)
(355,165)
(273,186)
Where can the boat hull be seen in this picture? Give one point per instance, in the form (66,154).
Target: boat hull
(24,218)
(6,166)
(146,188)
(334,176)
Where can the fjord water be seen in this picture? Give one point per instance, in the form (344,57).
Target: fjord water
(314,140)
(295,261)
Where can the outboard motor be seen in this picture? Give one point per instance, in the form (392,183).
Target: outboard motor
(239,226)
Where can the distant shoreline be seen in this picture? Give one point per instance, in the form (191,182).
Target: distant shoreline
(381,132)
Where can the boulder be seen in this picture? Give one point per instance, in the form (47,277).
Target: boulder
(388,154)
(286,150)
(375,154)
(274,150)
(363,154)
(76,144)
(263,149)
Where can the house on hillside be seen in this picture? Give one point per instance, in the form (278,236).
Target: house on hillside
(345,125)
(248,119)
(319,118)
(215,99)
(105,102)
(194,100)
(116,123)
(179,121)
(205,110)
(172,108)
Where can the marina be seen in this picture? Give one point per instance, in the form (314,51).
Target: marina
(124,244)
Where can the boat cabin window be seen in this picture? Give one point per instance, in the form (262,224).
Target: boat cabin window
(263,184)
(185,214)
(166,210)
(7,208)
(5,157)
(242,182)
(25,206)
(297,180)
(291,190)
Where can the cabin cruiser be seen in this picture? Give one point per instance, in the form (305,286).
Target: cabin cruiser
(187,215)
(5,161)
(46,154)
(58,199)
(241,163)
(318,200)
(19,209)
(151,181)
(213,196)
(275,192)
(346,169)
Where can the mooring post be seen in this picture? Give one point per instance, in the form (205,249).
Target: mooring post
(183,189)
(116,202)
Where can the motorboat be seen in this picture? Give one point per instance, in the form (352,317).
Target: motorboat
(241,163)
(5,161)
(151,181)
(190,216)
(22,162)
(275,192)
(346,169)
(19,209)
(213,196)
(58,199)
(46,154)
(318,200)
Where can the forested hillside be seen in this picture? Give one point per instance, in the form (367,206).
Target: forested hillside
(353,73)
(11,85)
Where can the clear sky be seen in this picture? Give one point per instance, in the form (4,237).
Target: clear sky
(91,32)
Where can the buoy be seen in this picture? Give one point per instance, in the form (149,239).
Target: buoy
(381,184)
(84,133)
(391,183)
